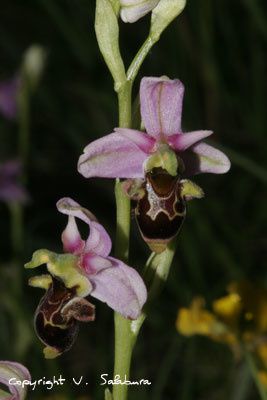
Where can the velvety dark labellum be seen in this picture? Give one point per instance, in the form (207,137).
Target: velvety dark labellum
(161,209)
(57,316)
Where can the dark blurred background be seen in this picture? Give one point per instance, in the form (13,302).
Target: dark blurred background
(218,50)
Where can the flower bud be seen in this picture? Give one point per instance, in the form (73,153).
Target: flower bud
(163,15)
(33,65)
(132,10)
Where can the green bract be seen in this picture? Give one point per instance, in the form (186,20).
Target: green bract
(107,33)
(162,15)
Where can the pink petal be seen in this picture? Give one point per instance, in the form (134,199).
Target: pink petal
(70,207)
(9,370)
(98,240)
(141,139)
(121,287)
(71,238)
(113,156)
(182,141)
(161,106)
(204,158)
(92,264)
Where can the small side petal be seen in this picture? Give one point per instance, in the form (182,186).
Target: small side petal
(121,287)
(132,10)
(182,141)
(98,240)
(71,238)
(205,158)
(113,156)
(17,372)
(161,106)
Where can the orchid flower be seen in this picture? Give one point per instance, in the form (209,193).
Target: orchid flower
(10,189)
(85,269)
(129,153)
(8,97)
(10,373)
(132,10)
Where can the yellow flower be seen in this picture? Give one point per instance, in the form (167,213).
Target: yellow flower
(239,317)
(262,353)
(198,321)
(228,308)
(262,376)
(195,320)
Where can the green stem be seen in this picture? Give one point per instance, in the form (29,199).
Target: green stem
(125,104)
(254,373)
(124,341)
(126,331)
(123,222)
(123,201)
(139,58)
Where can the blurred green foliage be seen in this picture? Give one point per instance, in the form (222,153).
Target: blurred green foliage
(218,49)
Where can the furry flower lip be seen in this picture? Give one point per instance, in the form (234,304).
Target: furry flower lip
(85,269)
(161,205)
